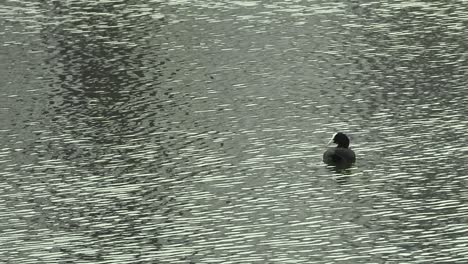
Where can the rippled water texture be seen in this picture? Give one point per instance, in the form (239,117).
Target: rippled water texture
(192,131)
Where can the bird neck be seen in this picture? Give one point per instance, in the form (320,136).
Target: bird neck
(343,145)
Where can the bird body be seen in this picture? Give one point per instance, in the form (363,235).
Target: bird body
(340,155)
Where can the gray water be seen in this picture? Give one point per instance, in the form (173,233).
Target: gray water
(192,131)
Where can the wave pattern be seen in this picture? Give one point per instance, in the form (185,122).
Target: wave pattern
(192,132)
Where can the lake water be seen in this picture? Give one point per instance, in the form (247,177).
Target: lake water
(192,131)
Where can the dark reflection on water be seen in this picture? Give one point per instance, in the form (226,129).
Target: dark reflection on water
(193,132)
(99,58)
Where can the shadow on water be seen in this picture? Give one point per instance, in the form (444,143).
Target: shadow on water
(105,68)
(106,101)
(341,172)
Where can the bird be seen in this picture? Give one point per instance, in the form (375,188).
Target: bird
(341,155)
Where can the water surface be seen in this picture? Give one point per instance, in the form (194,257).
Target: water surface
(192,132)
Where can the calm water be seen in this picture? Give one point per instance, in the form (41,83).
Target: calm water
(192,131)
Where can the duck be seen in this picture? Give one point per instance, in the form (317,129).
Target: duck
(341,155)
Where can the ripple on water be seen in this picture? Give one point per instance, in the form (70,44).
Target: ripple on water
(192,132)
